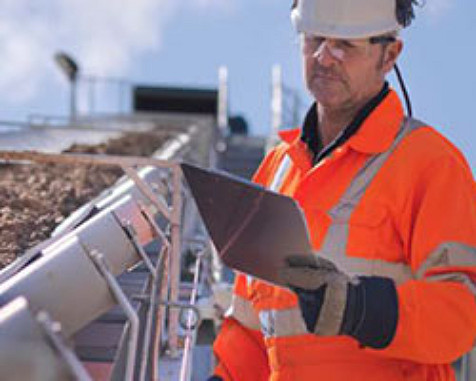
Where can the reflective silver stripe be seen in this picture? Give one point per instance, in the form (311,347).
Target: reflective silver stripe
(242,310)
(280,173)
(353,266)
(332,311)
(288,322)
(450,254)
(336,240)
(279,323)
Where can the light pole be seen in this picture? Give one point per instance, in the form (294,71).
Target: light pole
(71,69)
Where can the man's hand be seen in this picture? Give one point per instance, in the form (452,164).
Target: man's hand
(322,292)
(332,303)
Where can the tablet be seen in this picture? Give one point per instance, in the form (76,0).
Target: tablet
(253,229)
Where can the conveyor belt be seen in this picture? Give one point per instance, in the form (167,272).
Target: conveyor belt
(101,344)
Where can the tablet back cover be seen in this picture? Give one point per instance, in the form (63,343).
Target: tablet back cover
(252,228)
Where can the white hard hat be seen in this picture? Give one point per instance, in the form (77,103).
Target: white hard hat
(345,18)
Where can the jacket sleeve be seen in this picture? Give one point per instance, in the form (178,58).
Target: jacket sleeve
(239,347)
(437,310)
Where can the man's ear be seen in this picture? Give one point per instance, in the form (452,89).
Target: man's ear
(391,54)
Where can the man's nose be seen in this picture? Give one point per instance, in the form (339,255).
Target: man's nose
(327,53)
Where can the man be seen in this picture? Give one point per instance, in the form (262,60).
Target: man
(390,206)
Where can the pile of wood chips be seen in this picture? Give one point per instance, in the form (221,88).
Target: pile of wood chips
(35,198)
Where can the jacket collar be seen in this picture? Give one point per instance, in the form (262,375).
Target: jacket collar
(379,129)
(375,134)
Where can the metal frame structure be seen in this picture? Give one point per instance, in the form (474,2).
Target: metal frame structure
(164,276)
(108,236)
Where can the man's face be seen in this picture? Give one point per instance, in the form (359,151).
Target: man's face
(344,73)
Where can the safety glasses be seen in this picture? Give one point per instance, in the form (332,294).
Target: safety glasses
(340,49)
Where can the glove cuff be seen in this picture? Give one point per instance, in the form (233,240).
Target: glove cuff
(371,313)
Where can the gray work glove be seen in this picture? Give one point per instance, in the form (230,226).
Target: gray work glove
(333,303)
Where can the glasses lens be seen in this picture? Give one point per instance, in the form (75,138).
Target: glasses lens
(339,49)
(315,45)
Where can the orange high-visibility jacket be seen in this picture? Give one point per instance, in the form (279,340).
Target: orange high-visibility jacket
(395,200)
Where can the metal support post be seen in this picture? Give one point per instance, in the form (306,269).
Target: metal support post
(185,371)
(151,298)
(175,258)
(73,112)
(276,105)
(163,280)
(223,99)
(161,311)
(98,259)
(220,133)
(146,355)
(130,231)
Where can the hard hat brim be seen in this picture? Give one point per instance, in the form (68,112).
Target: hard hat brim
(349,32)
(345,18)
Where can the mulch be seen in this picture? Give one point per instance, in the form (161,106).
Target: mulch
(35,198)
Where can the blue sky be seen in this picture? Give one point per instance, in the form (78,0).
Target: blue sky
(183,42)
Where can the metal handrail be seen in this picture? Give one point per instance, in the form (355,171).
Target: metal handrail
(185,370)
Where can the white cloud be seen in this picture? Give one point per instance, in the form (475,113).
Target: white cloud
(21,46)
(106,36)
